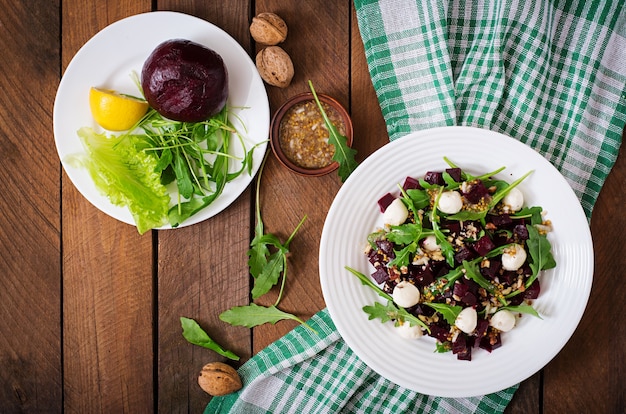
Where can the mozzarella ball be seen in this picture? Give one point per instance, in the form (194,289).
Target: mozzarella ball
(407,331)
(466,320)
(514,199)
(430,244)
(406,294)
(503,320)
(396,213)
(450,202)
(514,257)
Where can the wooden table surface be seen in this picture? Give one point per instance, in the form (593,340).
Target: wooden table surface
(89,309)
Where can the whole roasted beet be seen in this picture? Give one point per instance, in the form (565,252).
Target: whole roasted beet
(185,81)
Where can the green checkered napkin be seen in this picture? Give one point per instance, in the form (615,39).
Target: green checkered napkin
(551,74)
(306,372)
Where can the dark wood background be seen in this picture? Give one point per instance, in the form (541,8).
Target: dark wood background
(89,309)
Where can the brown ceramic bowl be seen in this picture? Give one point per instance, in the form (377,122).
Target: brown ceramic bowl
(282,116)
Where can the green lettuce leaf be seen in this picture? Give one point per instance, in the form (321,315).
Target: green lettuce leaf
(126,175)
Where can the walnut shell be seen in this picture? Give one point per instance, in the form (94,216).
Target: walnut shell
(268,29)
(275,66)
(218,378)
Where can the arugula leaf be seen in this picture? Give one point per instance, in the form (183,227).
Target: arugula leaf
(533,212)
(539,249)
(467,215)
(448,312)
(403,257)
(183,151)
(254,315)
(472,272)
(344,155)
(446,246)
(405,233)
(443,347)
(420,198)
(368,282)
(523,309)
(193,333)
(499,195)
(385,313)
(390,312)
(465,176)
(266,267)
(269,275)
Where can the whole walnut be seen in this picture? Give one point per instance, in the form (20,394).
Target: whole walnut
(275,66)
(218,378)
(268,29)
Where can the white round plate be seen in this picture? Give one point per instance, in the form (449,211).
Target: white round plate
(110,57)
(413,363)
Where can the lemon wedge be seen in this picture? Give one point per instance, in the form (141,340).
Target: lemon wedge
(114,111)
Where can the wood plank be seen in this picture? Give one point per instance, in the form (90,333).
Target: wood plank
(30,337)
(588,374)
(318,43)
(527,398)
(202,269)
(107,274)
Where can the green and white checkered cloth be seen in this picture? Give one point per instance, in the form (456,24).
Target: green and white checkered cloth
(306,373)
(549,73)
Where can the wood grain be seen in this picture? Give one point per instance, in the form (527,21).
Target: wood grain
(286,197)
(30,304)
(107,274)
(587,376)
(202,269)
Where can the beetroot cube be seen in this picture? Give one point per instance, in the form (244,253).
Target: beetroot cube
(384,201)
(491,341)
(521,232)
(491,271)
(422,275)
(439,332)
(533,290)
(434,177)
(455,173)
(411,183)
(469,299)
(481,328)
(463,254)
(501,220)
(476,192)
(460,289)
(483,246)
(380,275)
(386,247)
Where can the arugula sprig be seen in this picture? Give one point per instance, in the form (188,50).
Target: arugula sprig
(446,247)
(194,334)
(389,311)
(267,261)
(502,190)
(344,155)
(196,156)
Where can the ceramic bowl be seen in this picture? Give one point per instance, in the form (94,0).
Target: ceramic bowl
(282,115)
